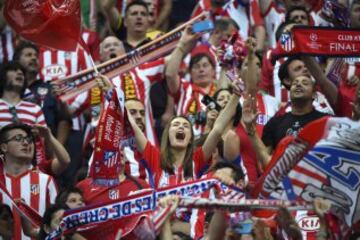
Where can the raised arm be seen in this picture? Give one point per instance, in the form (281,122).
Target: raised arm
(53,149)
(166,6)
(188,39)
(249,75)
(220,124)
(111,12)
(140,137)
(327,87)
(249,115)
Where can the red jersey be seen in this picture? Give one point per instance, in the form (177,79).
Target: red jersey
(270,81)
(25,112)
(246,16)
(346,93)
(55,64)
(93,194)
(37,189)
(162,178)
(273,17)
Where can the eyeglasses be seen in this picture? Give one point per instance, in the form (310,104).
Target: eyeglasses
(20,139)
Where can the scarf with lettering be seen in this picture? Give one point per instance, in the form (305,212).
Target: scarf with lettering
(145,205)
(318,41)
(106,164)
(322,161)
(75,84)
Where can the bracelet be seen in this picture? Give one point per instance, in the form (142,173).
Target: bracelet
(321,234)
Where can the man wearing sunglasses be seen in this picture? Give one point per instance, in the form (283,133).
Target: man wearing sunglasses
(17,175)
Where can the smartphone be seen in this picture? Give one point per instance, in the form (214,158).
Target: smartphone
(211,103)
(203,26)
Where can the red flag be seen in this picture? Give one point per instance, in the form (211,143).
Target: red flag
(52,23)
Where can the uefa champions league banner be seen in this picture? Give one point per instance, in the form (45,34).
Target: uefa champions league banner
(322,161)
(318,41)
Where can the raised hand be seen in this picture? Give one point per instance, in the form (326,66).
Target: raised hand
(249,111)
(251,45)
(321,206)
(41,131)
(103,82)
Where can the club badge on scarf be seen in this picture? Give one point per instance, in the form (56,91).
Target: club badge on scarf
(109,133)
(323,161)
(52,23)
(318,41)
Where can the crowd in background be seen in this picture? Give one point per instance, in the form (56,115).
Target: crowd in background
(178,136)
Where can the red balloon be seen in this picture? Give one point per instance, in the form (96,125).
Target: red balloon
(52,23)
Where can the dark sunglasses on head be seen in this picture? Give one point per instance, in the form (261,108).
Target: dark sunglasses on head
(14,115)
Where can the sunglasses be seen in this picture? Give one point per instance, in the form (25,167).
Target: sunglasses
(20,139)
(15,118)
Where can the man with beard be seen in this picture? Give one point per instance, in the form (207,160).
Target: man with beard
(302,91)
(136,86)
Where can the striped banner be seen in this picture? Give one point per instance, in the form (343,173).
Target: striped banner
(67,88)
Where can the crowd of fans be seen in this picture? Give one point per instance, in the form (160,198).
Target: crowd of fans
(46,144)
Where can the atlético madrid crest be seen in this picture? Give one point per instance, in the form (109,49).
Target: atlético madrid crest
(287,42)
(35,189)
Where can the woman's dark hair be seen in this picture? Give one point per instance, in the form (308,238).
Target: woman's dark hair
(63,195)
(46,220)
(166,156)
(5,68)
(238,112)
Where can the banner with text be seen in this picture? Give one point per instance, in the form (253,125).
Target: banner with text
(319,41)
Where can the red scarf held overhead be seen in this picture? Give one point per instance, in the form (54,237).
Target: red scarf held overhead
(109,134)
(318,41)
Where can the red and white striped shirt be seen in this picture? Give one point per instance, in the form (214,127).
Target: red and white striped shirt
(55,64)
(162,178)
(347,92)
(37,189)
(246,16)
(273,17)
(7,44)
(26,112)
